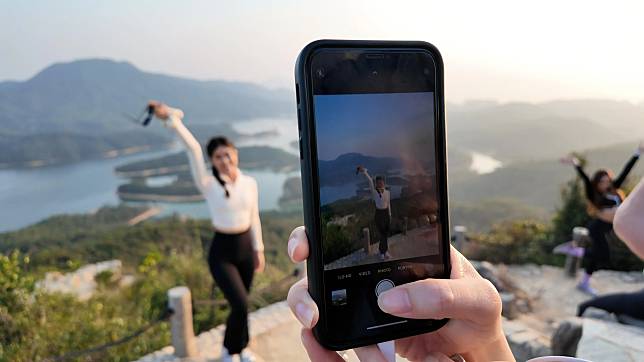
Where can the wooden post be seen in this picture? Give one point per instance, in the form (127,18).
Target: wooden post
(459,237)
(579,236)
(183,336)
(367,241)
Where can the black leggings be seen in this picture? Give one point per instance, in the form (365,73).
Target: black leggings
(382,223)
(232,265)
(598,254)
(630,304)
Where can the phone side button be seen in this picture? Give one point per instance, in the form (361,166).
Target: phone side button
(301,153)
(299,122)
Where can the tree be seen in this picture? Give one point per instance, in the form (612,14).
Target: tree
(571,213)
(573,210)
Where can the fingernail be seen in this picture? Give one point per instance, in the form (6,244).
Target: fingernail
(304,314)
(395,301)
(292,244)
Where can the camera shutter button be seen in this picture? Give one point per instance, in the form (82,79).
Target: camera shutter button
(383,286)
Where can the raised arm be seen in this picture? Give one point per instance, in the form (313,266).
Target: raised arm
(574,161)
(617,183)
(200,175)
(370,181)
(590,193)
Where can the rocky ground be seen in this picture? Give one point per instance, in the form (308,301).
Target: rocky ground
(542,298)
(553,296)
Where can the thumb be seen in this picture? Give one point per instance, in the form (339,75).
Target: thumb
(473,299)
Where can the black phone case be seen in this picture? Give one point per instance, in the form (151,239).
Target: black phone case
(310,182)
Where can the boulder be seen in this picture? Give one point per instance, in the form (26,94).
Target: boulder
(566,338)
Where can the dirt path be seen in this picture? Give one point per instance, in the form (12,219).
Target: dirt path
(419,241)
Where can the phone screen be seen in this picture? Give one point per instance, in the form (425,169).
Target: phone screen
(379,182)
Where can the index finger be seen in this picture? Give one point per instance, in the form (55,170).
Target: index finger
(298,245)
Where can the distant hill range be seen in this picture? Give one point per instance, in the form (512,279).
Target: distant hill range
(525,131)
(538,183)
(74,111)
(342,169)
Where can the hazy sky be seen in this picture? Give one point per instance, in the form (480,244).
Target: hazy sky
(506,50)
(379,125)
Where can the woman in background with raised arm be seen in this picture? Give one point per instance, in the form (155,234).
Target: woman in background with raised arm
(604,195)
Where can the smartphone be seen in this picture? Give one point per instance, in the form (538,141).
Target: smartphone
(374,181)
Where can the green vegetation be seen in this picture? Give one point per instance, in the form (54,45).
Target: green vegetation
(337,241)
(514,242)
(530,241)
(159,253)
(482,215)
(345,237)
(17,150)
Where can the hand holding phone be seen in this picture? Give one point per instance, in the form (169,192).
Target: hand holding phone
(471,302)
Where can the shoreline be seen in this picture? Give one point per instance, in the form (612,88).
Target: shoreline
(128,196)
(107,155)
(148,172)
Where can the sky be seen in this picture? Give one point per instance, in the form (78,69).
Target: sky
(503,50)
(379,125)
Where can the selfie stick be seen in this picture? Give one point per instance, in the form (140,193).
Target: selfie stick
(148,112)
(388,350)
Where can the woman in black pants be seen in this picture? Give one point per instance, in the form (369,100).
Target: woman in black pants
(237,250)
(604,196)
(382,200)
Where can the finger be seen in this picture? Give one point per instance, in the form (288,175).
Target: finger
(461,267)
(298,245)
(302,305)
(473,299)
(370,353)
(315,351)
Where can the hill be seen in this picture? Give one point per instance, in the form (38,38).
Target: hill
(75,110)
(537,183)
(343,168)
(523,131)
